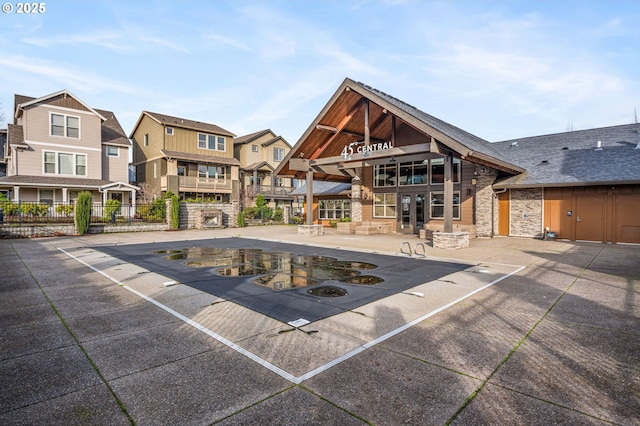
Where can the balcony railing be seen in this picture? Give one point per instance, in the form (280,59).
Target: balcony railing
(195,184)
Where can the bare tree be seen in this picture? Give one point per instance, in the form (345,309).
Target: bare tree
(247,197)
(146,195)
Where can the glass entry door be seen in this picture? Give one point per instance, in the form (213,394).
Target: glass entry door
(412,213)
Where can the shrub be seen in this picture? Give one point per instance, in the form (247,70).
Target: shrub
(241,223)
(83,212)
(64,209)
(112,206)
(34,209)
(9,208)
(175,212)
(277,215)
(157,211)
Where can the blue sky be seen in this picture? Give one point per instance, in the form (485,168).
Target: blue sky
(498,69)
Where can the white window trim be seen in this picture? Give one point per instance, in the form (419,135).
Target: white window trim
(395,204)
(117,148)
(56,164)
(53,195)
(169,131)
(51,113)
(206,142)
(278,149)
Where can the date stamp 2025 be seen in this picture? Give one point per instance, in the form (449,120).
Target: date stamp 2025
(24,8)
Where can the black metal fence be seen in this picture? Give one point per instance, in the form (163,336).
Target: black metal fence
(23,212)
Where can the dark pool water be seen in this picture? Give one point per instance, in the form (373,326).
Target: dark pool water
(276,270)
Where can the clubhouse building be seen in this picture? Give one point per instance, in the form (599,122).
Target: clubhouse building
(390,167)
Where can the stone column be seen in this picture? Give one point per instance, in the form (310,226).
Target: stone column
(356,201)
(486,204)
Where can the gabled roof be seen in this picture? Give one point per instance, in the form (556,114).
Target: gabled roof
(342,122)
(242,140)
(572,158)
(22,102)
(257,166)
(112,132)
(184,123)
(252,136)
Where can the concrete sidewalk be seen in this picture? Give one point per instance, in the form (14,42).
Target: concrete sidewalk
(556,343)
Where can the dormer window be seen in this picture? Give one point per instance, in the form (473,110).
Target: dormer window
(65,126)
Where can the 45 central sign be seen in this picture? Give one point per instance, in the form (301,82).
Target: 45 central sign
(359,148)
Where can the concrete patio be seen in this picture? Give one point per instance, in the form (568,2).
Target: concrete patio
(547,333)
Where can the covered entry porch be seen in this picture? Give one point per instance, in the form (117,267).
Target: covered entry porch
(405,167)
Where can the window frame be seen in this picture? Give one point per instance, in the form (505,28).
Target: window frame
(457,167)
(65,126)
(254,148)
(385,205)
(386,167)
(411,178)
(168,130)
(111,147)
(456,206)
(212,142)
(334,208)
(278,154)
(57,163)
(46,200)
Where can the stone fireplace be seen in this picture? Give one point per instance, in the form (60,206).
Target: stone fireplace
(208,218)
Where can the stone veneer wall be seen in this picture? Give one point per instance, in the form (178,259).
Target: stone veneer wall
(190,211)
(30,231)
(486,203)
(526,212)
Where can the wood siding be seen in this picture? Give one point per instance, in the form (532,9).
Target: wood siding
(36,124)
(116,169)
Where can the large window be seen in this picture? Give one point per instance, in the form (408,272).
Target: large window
(437,170)
(278,154)
(437,205)
(414,173)
(65,163)
(212,142)
(384,205)
(384,175)
(211,171)
(65,125)
(334,209)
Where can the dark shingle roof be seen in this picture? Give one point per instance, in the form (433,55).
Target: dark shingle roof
(472,142)
(15,135)
(572,158)
(189,124)
(53,181)
(112,132)
(199,157)
(251,137)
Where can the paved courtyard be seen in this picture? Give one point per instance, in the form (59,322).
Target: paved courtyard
(96,330)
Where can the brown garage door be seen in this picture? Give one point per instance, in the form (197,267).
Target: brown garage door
(627,224)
